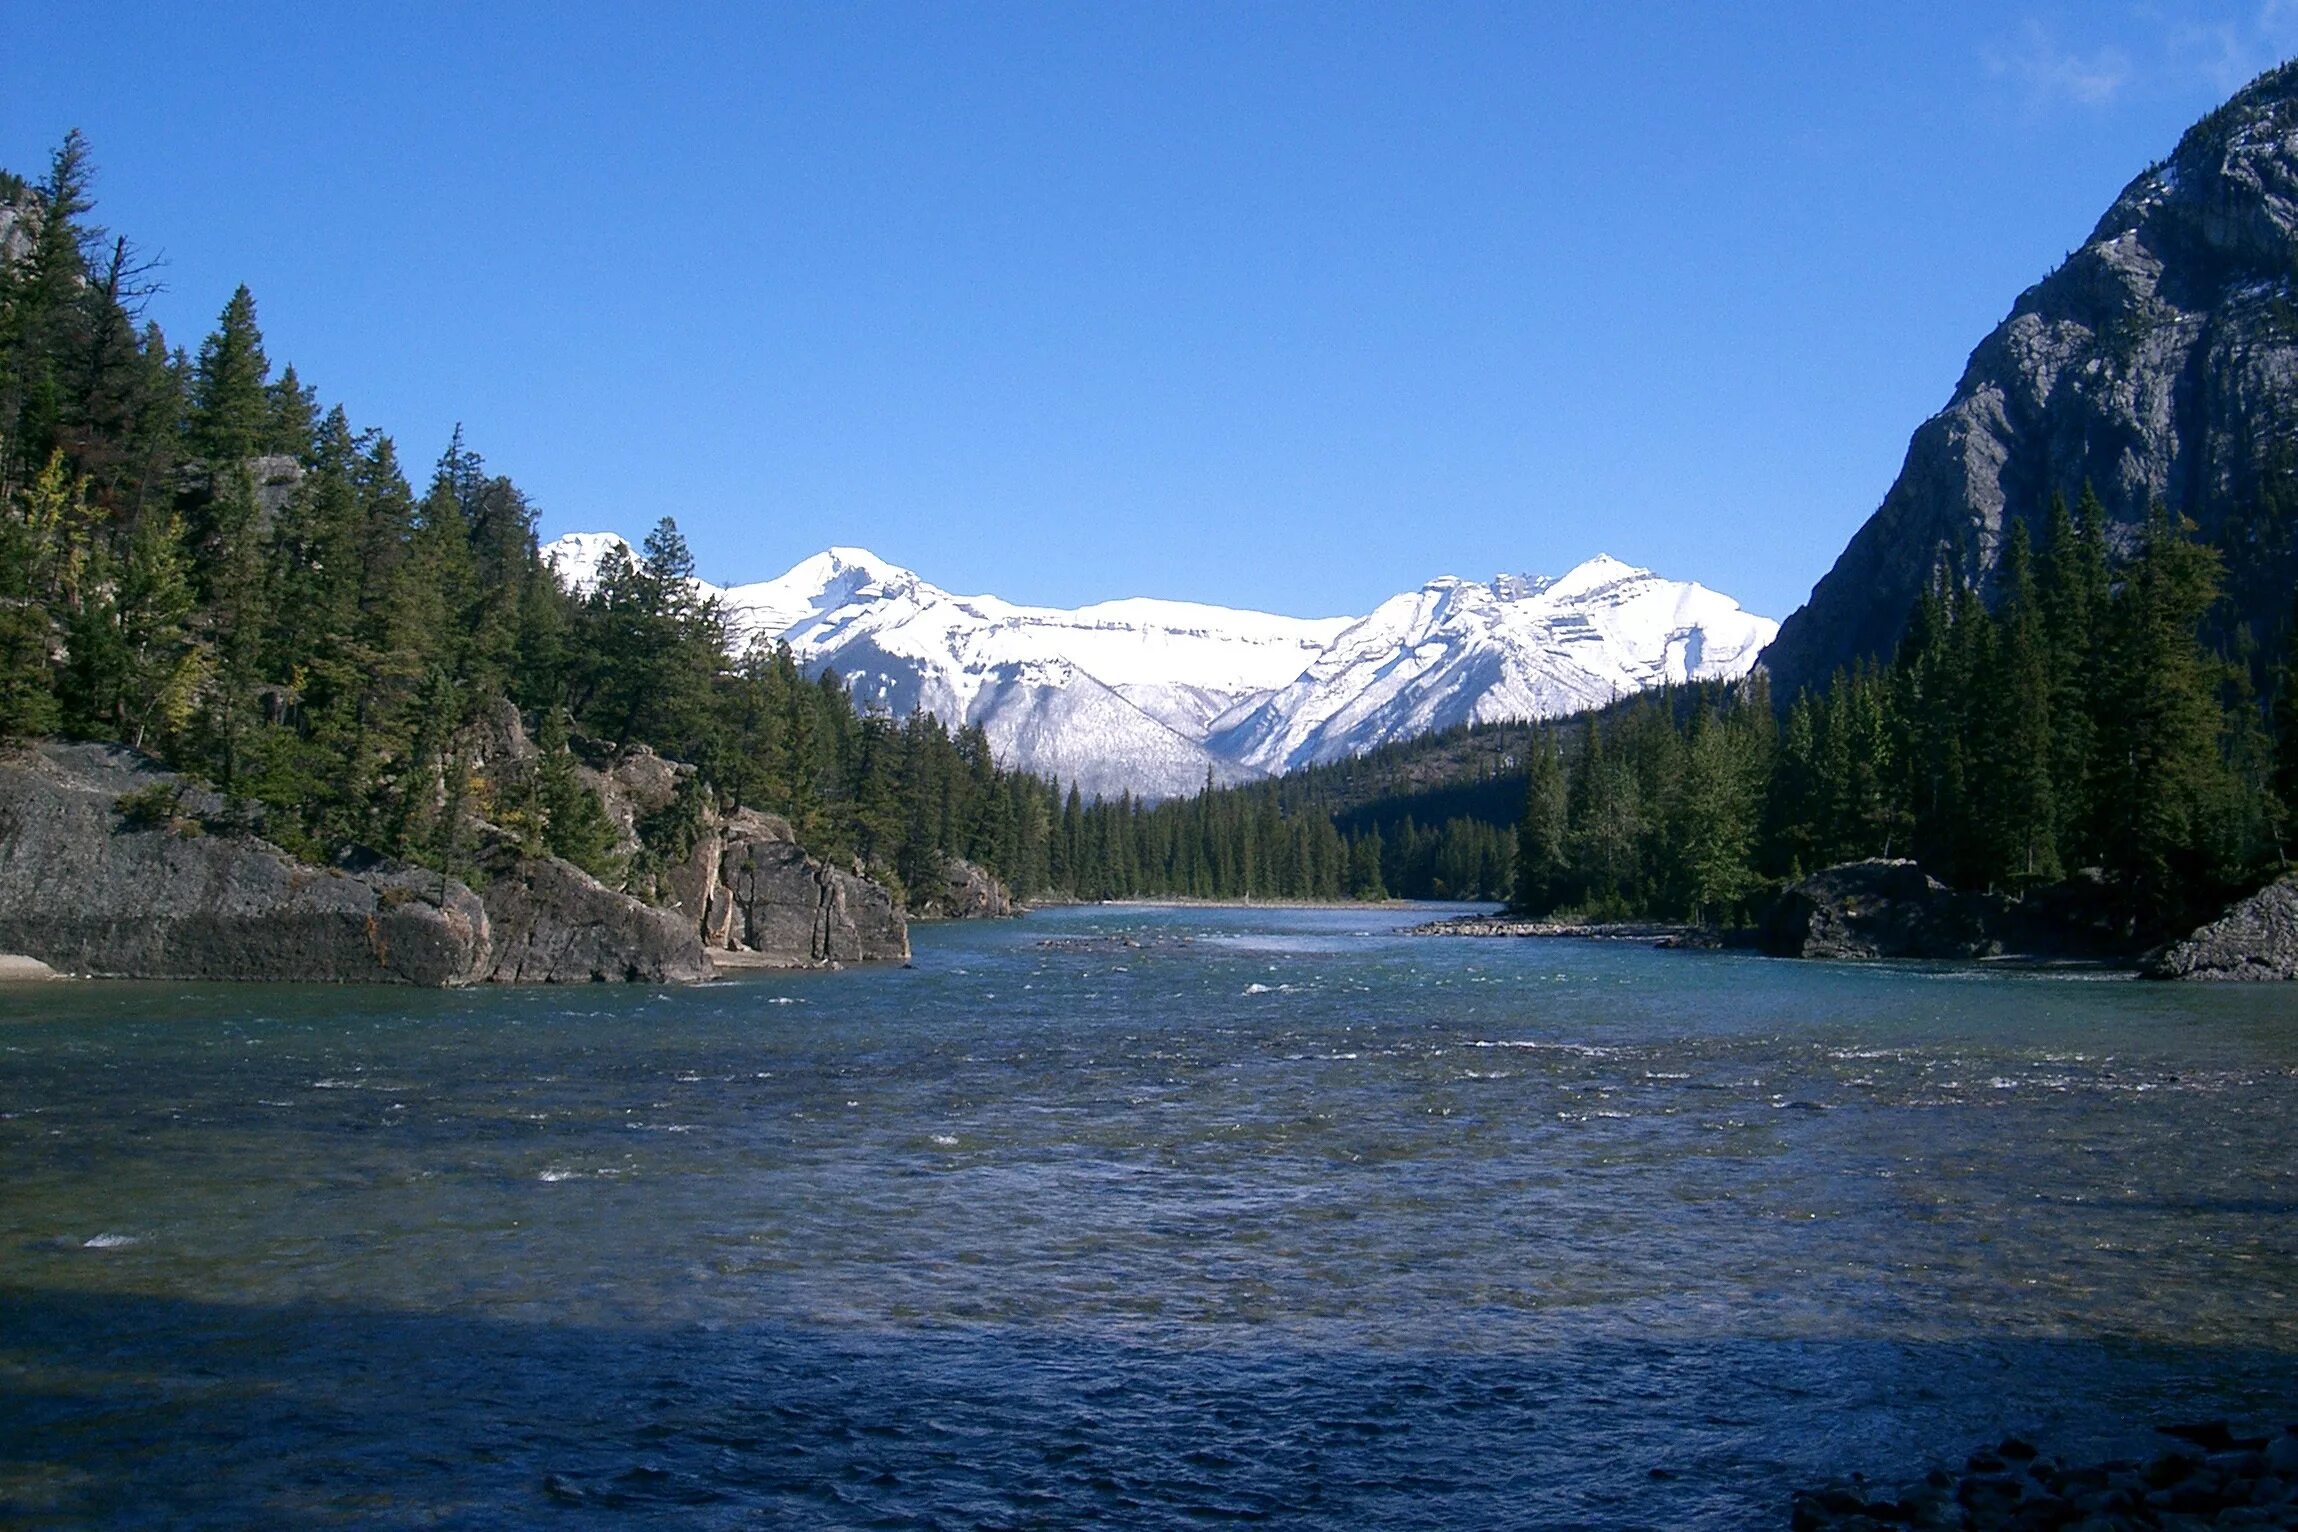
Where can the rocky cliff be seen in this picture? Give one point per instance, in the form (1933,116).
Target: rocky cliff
(111,866)
(2160,362)
(740,880)
(155,892)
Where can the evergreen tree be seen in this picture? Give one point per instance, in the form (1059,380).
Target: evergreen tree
(1715,819)
(2020,838)
(2072,596)
(2160,756)
(233,413)
(1543,833)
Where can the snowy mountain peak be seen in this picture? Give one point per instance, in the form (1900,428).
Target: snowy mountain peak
(1593,575)
(1151,696)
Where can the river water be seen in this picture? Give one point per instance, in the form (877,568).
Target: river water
(1142,1216)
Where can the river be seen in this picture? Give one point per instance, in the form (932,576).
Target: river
(1154,1217)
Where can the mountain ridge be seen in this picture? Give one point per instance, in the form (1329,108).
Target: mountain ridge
(1155,697)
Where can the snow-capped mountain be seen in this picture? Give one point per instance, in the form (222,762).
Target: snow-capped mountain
(1455,651)
(1153,696)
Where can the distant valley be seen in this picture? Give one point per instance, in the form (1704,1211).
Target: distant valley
(1153,697)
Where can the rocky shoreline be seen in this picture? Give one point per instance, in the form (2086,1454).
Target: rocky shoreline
(1890,909)
(2212,1477)
(113,867)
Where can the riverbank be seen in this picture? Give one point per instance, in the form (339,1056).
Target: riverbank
(2212,1477)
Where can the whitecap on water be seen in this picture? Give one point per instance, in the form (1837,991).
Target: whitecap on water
(1258,989)
(945,1141)
(107,1241)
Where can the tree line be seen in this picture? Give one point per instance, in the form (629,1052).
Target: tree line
(2092,721)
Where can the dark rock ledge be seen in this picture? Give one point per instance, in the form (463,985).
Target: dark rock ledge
(2211,1477)
(112,867)
(2256,939)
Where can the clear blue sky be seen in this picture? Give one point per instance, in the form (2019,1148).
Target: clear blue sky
(1267,305)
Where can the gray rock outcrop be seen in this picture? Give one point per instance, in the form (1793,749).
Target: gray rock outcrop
(966,891)
(112,866)
(1882,909)
(781,908)
(2256,939)
(744,886)
(88,889)
(552,923)
(2158,363)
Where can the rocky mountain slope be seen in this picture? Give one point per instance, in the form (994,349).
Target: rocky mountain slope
(2159,362)
(1152,697)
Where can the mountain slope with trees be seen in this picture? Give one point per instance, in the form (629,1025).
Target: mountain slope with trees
(2158,365)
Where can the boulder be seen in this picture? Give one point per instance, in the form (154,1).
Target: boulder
(1882,909)
(174,887)
(2256,939)
(553,923)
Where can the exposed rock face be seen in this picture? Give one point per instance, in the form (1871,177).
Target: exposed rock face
(745,888)
(86,890)
(967,892)
(791,910)
(19,227)
(2257,939)
(1882,909)
(2160,362)
(180,888)
(553,923)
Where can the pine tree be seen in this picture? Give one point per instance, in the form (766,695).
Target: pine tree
(1715,819)
(2285,779)
(233,413)
(1543,832)
(2019,842)
(2160,748)
(2072,596)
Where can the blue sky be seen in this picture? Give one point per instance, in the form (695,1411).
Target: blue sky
(1290,307)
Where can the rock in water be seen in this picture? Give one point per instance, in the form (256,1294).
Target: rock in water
(2159,363)
(2257,939)
(1882,909)
(553,923)
(88,889)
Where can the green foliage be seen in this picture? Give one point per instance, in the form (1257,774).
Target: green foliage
(575,824)
(2083,721)
(159,806)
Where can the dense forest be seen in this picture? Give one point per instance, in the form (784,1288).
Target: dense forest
(2093,719)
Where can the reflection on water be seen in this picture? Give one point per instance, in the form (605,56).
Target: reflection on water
(1145,1215)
